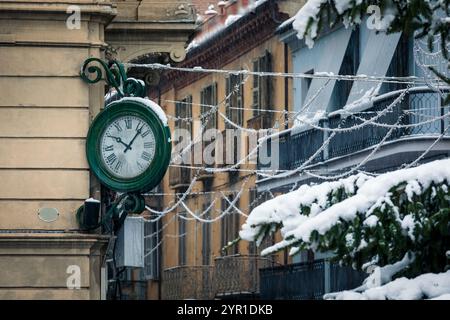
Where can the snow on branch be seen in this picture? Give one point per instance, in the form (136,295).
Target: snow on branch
(396,222)
(425,17)
(425,286)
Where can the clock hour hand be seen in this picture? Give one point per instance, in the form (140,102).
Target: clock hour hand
(138,132)
(118,140)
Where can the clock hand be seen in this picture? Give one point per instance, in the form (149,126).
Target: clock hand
(118,140)
(138,132)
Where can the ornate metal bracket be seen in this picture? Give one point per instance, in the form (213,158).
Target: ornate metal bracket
(116,214)
(113,73)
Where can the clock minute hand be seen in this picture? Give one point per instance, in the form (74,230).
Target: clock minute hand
(119,140)
(138,131)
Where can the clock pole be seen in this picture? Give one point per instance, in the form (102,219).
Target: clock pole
(104,162)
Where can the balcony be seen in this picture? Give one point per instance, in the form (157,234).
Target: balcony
(419,105)
(307,281)
(261,121)
(230,277)
(238,275)
(179,177)
(187,282)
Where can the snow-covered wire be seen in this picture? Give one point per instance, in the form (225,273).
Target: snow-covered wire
(317,75)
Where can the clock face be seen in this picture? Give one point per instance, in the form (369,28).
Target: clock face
(127,147)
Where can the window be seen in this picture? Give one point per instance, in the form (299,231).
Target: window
(398,66)
(235,102)
(183,109)
(206,227)
(206,236)
(208,98)
(230,226)
(182,239)
(375,60)
(151,249)
(305,85)
(349,66)
(256,199)
(262,85)
(253,195)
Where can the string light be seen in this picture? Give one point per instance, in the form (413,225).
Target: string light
(318,75)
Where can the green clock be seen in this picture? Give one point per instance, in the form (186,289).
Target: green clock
(128,146)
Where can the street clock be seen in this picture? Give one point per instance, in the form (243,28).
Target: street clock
(128,145)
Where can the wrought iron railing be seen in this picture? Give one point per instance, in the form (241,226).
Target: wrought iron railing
(307,281)
(418,105)
(238,274)
(187,282)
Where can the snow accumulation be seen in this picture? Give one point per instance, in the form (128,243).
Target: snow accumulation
(301,212)
(310,11)
(231,19)
(285,208)
(152,105)
(371,192)
(425,286)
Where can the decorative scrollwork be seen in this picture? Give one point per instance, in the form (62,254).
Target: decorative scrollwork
(134,87)
(113,73)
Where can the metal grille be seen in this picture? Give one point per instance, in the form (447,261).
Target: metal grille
(419,105)
(238,274)
(187,282)
(307,281)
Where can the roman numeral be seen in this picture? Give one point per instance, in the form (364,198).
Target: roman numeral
(118,166)
(128,123)
(140,165)
(111,158)
(144,134)
(146,156)
(150,144)
(118,127)
(109,148)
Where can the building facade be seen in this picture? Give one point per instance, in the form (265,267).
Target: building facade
(406,127)
(196,261)
(45,112)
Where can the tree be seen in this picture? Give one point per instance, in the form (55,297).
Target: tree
(397,223)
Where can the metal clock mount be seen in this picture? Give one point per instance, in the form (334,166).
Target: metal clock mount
(128,145)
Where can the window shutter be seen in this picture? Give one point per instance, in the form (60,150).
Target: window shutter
(214,103)
(266,82)
(189,114)
(240,101)
(255,90)
(228,102)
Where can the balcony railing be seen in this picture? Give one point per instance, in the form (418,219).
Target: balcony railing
(418,105)
(187,282)
(238,274)
(308,281)
(261,121)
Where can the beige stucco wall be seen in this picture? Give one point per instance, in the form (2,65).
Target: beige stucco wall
(45,111)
